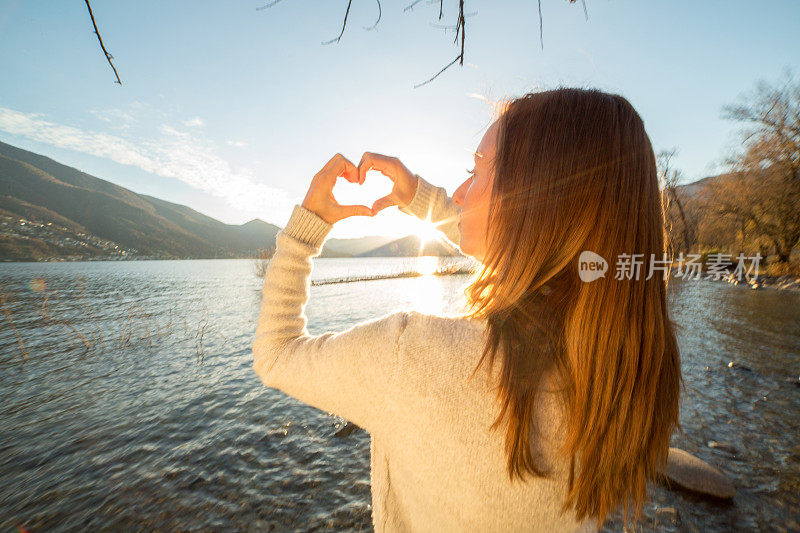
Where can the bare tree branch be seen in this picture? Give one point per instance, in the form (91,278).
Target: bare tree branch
(541,34)
(268,5)
(453,62)
(344,25)
(109,57)
(460,26)
(460,57)
(380,11)
(410,6)
(452,27)
(415,2)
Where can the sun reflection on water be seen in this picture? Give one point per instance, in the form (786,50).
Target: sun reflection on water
(426,265)
(426,295)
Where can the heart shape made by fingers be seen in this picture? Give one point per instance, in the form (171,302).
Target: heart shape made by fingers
(374,187)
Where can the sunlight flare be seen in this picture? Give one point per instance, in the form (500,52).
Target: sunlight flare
(426,231)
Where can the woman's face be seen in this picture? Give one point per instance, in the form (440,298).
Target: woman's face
(473,197)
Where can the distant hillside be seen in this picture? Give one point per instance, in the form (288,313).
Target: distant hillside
(695,188)
(69,207)
(36,187)
(357,246)
(410,246)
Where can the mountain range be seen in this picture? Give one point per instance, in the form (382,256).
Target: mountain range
(49,210)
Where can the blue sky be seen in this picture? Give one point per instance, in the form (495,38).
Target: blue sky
(232,110)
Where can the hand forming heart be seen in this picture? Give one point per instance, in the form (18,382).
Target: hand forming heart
(320,199)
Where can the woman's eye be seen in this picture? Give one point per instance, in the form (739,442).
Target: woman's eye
(471,172)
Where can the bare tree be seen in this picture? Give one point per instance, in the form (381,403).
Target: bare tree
(764,190)
(728,203)
(674,205)
(261,261)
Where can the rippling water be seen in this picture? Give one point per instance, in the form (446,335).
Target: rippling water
(128,400)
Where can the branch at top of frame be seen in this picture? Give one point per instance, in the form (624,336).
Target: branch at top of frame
(344,25)
(109,57)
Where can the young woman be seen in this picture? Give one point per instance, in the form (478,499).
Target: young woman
(550,403)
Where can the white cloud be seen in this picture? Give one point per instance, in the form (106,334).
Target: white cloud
(237,144)
(173,154)
(166,129)
(29,125)
(194,122)
(114,116)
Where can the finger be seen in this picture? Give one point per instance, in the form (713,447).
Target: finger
(354,211)
(332,162)
(363,167)
(382,163)
(350,172)
(382,203)
(339,165)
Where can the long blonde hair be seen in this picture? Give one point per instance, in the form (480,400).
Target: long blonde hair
(575,171)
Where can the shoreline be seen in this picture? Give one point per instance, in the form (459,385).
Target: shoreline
(789,282)
(786,282)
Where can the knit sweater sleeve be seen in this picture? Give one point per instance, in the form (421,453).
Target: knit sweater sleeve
(432,203)
(350,373)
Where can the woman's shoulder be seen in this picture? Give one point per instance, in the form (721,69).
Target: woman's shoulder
(444,320)
(415,325)
(449,330)
(438,353)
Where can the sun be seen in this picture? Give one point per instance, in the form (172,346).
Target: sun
(426,232)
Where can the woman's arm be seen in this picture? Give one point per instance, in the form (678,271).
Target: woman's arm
(432,203)
(350,373)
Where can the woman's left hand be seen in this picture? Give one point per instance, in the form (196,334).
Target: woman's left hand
(320,200)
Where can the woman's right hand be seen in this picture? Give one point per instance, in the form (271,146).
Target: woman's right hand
(405,182)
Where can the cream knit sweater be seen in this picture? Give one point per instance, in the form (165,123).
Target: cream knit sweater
(435,465)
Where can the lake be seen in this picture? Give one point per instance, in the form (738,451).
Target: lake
(128,399)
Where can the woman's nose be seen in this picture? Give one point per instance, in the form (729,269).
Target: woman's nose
(458,196)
